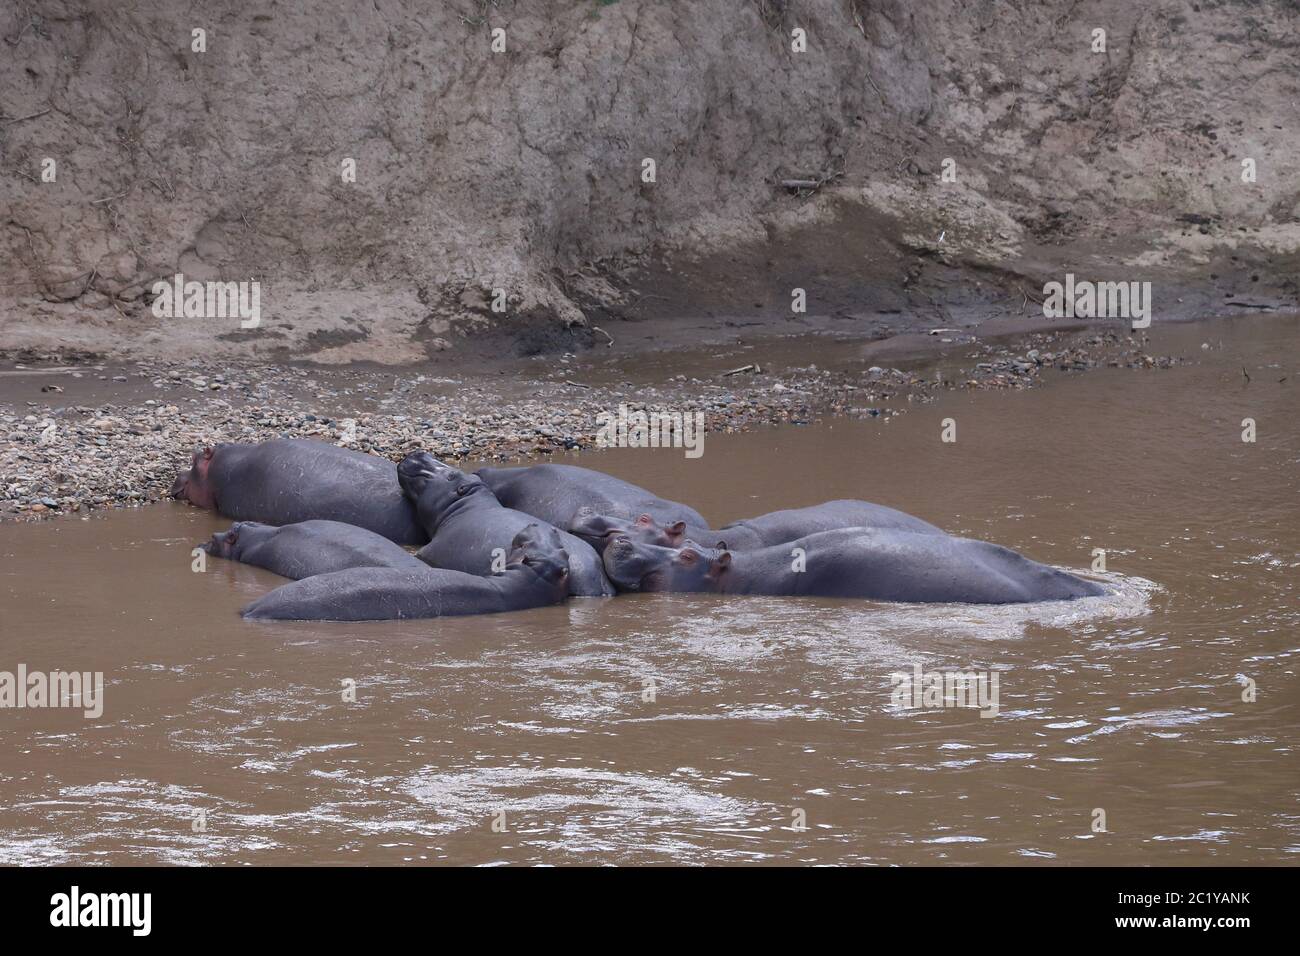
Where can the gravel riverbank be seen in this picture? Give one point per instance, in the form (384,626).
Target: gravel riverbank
(76,436)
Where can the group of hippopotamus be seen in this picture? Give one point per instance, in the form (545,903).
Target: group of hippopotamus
(505,539)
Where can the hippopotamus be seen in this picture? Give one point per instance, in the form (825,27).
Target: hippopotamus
(309,547)
(536,575)
(558,493)
(872,563)
(466,524)
(748,534)
(287,480)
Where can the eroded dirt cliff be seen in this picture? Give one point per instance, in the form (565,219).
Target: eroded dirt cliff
(523,170)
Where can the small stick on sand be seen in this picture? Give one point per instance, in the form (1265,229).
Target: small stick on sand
(19,119)
(1028,296)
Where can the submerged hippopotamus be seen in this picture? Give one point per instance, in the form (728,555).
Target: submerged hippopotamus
(287,480)
(559,493)
(748,534)
(536,575)
(877,564)
(466,524)
(309,547)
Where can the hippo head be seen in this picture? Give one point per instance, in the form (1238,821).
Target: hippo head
(193,485)
(541,551)
(598,530)
(637,566)
(230,544)
(433,486)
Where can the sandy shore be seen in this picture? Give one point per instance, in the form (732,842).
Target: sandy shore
(76,435)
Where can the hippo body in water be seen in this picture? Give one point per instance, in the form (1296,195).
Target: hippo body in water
(309,547)
(875,564)
(779,527)
(750,534)
(560,494)
(466,524)
(536,575)
(288,480)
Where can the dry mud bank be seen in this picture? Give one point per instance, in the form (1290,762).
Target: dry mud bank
(522,170)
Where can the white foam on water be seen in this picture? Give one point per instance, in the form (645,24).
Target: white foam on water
(582,811)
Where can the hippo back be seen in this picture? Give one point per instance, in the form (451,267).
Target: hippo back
(556,493)
(288,480)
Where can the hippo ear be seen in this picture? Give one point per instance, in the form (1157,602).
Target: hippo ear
(462,489)
(722,546)
(721,563)
(207,453)
(677,528)
(644,520)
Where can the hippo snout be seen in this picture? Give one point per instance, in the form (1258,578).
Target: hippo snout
(619,559)
(619,544)
(416,470)
(223,542)
(218,545)
(419,464)
(177,489)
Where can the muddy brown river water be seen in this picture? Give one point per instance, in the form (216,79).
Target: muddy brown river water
(771,736)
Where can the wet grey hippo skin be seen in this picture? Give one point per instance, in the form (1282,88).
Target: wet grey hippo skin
(749,534)
(558,493)
(599,530)
(288,480)
(466,523)
(882,565)
(536,575)
(309,547)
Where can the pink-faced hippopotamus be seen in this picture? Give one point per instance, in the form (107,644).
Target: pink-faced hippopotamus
(466,524)
(309,547)
(536,575)
(559,493)
(287,480)
(749,534)
(876,564)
